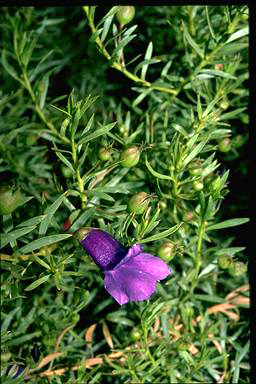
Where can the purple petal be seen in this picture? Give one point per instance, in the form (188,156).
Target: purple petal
(103,248)
(135,277)
(126,284)
(113,288)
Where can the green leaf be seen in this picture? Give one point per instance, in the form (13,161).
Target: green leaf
(6,238)
(228,223)
(163,234)
(61,110)
(230,251)
(49,214)
(88,125)
(232,114)
(144,64)
(23,339)
(106,27)
(83,219)
(41,262)
(121,46)
(192,42)
(99,132)
(237,35)
(147,57)
(34,221)
(38,282)
(194,153)
(43,89)
(141,97)
(9,68)
(64,160)
(43,241)
(154,173)
(215,72)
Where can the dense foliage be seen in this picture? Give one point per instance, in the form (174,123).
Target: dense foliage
(132,120)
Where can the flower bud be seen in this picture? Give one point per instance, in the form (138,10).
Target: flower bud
(130,157)
(225,261)
(139,202)
(104,154)
(198,185)
(125,14)
(167,251)
(66,171)
(9,201)
(237,268)
(219,66)
(188,216)
(224,145)
(195,168)
(135,334)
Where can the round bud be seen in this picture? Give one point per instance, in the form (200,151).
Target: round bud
(195,168)
(225,261)
(162,205)
(238,268)
(138,203)
(224,145)
(219,66)
(104,154)
(167,251)
(124,130)
(188,216)
(125,14)
(130,157)
(135,334)
(66,171)
(198,185)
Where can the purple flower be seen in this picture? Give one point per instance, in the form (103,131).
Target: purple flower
(130,274)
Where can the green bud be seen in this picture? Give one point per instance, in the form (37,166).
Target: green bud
(238,268)
(188,216)
(125,14)
(195,167)
(66,171)
(124,130)
(198,185)
(225,261)
(130,157)
(104,154)
(135,334)
(167,251)
(138,203)
(224,145)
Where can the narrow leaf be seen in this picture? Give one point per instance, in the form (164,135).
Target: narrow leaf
(97,133)
(163,234)
(228,223)
(154,173)
(192,42)
(38,282)
(6,238)
(50,212)
(47,240)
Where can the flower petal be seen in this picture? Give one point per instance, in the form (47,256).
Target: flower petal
(114,289)
(150,264)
